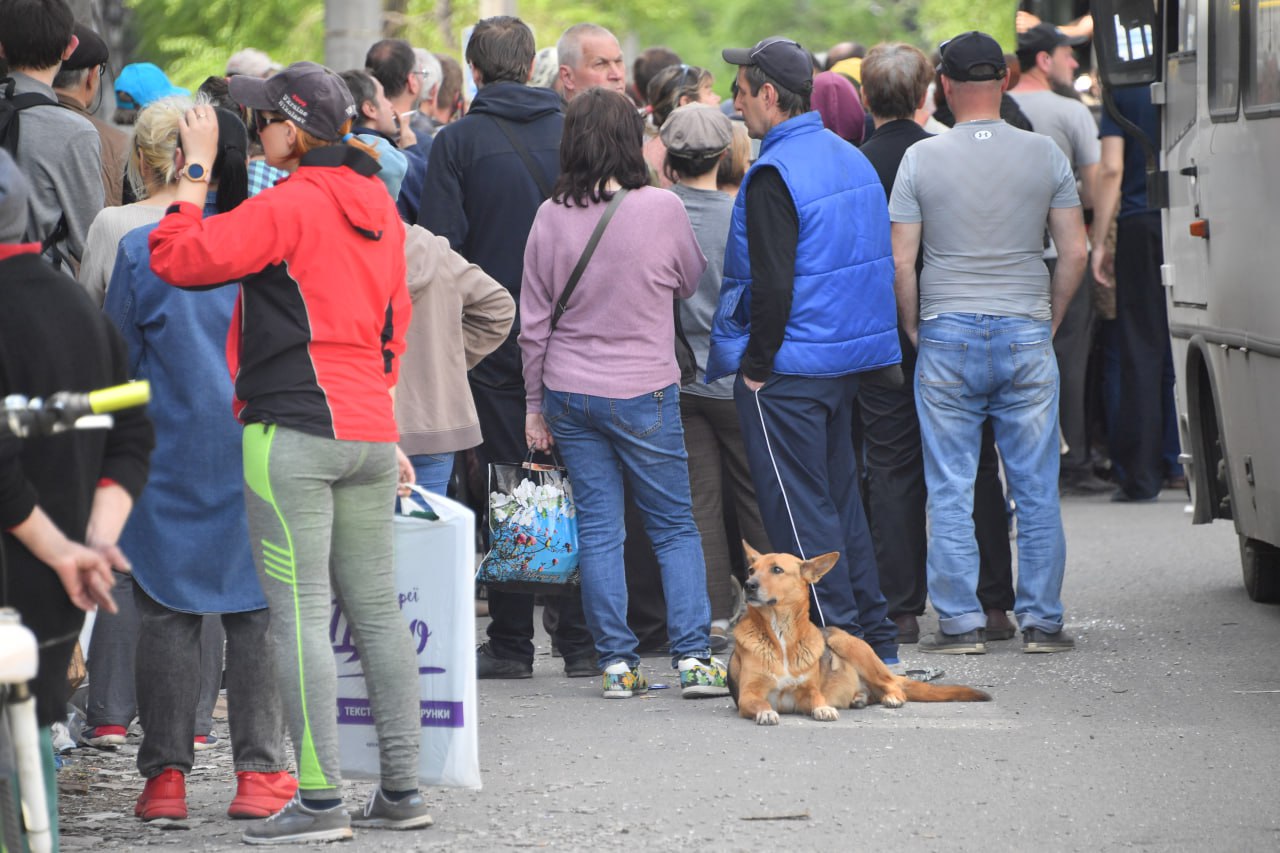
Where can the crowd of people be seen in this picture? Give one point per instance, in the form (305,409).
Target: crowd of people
(846,310)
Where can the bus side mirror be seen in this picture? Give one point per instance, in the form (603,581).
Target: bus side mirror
(1124,40)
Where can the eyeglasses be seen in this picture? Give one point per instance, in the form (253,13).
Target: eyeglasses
(733,88)
(261,122)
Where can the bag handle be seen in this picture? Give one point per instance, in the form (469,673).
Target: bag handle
(563,301)
(530,465)
(411,508)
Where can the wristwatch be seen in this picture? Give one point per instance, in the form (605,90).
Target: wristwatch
(195,172)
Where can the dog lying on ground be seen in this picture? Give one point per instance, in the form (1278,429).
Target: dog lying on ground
(783,663)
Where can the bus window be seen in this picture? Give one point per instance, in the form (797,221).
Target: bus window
(1186,39)
(1262,88)
(1224,59)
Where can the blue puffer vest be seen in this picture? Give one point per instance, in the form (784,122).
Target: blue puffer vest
(844,317)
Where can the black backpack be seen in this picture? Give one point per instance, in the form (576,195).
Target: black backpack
(11,106)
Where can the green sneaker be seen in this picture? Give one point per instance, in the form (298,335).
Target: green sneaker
(622,681)
(699,678)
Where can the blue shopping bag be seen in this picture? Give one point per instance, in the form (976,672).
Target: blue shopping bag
(533,529)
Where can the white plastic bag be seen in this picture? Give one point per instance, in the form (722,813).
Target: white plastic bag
(435,581)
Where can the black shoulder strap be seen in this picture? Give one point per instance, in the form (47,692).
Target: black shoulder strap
(16,104)
(563,302)
(535,172)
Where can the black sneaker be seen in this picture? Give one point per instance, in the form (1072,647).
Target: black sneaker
(1082,484)
(1038,642)
(489,665)
(582,666)
(381,813)
(969,643)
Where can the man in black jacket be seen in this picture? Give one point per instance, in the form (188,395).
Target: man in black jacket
(58,491)
(488,174)
(895,82)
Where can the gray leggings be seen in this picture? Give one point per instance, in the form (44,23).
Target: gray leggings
(320,509)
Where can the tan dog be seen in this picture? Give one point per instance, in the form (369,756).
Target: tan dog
(782,662)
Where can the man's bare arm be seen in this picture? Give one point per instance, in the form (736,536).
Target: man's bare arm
(906,248)
(1106,202)
(1066,226)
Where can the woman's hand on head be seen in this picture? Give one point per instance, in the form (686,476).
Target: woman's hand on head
(198,129)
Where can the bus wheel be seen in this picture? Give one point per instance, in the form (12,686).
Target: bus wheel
(1261,565)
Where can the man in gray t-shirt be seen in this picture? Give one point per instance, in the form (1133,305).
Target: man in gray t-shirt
(1044,54)
(982,316)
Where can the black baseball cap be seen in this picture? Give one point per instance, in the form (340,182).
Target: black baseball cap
(90,52)
(310,95)
(781,58)
(1045,37)
(972,56)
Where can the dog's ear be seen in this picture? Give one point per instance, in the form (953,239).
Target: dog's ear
(751,553)
(813,570)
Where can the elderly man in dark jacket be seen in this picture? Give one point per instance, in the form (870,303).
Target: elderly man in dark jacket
(488,174)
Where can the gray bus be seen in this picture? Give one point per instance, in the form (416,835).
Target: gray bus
(1214,71)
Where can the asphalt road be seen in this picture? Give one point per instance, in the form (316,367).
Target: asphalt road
(1160,732)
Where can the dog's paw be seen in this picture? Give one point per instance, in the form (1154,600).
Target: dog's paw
(767,718)
(859,701)
(893,700)
(826,714)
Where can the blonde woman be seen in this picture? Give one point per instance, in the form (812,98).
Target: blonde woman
(154,164)
(153,169)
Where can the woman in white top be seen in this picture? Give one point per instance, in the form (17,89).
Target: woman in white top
(154,176)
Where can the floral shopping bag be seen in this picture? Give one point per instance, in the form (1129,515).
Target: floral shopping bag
(533,529)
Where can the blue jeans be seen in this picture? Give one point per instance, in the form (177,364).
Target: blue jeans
(433,471)
(603,440)
(971,367)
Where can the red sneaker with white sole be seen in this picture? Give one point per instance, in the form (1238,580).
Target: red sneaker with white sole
(260,795)
(104,737)
(164,796)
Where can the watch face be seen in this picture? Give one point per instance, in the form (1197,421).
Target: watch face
(195,171)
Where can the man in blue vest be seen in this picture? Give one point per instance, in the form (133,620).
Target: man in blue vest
(807,305)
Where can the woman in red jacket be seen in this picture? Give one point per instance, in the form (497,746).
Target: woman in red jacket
(314,348)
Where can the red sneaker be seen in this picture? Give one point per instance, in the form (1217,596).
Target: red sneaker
(260,795)
(104,737)
(164,796)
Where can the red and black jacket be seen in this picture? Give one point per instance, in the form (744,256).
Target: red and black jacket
(319,328)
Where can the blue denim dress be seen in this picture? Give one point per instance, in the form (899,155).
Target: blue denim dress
(187,537)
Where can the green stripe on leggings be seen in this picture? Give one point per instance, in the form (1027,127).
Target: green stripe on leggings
(281,566)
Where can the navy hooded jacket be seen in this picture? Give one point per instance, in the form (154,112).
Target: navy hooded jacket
(480,195)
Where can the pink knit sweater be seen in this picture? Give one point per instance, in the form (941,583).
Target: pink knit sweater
(617,336)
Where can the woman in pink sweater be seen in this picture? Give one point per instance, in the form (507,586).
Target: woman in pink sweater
(603,385)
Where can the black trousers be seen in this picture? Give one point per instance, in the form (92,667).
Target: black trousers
(501,412)
(896,496)
(1137,438)
(1071,345)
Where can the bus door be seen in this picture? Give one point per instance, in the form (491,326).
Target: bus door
(1186,129)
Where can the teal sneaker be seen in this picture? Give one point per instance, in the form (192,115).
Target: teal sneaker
(622,681)
(700,678)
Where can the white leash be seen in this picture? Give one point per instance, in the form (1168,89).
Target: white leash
(822,620)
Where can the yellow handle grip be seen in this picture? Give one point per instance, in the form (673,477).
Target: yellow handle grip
(120,397)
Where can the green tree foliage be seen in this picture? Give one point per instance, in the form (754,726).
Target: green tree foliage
(192,39)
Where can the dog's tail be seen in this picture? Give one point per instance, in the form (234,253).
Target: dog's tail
(920,691)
